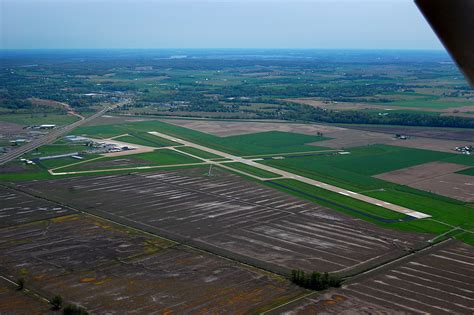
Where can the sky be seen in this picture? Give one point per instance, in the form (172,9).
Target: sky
(324,24)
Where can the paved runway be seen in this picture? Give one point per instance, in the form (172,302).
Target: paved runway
(285,174)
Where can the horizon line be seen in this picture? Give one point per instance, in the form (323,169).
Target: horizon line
(221,48)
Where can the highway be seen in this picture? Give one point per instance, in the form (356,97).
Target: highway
(285,174)
(52,136)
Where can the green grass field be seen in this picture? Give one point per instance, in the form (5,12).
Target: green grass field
(37,173)
(56,149)
(143,138)
(259,143)
(251,170)
(350,172)
(333,200)
(156,158)
(168,157)
(38,119)
(469,172)
(54,163)
(199,153)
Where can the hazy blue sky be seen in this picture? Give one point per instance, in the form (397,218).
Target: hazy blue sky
(214,24)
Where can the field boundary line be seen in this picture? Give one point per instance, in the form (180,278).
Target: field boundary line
(137,168)
(430,246)
(289,302)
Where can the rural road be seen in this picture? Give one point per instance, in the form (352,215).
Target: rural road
(52,136)
(285,174)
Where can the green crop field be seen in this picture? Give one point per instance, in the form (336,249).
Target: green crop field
(271,142)
(366,160)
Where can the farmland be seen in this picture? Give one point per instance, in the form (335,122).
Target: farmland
(84,266)
(235,217)
(439,281)
(158,157)
(223,173)
(12,299)
(19,208)
(440,178)
(355,171)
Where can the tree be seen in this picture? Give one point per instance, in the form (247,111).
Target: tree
(56,302)
(21,283)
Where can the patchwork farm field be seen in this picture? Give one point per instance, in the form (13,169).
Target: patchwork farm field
(355,170)
(109,268)
(260,143)
(234,217)
(321,182)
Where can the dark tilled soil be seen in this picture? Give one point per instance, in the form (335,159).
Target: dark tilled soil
(14,302)
(438,281)
(110,269)
(18,208)
(235,217)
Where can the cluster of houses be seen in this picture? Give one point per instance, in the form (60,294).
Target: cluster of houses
(465,150)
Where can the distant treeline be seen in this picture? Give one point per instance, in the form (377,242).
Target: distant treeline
(300,112)
(15,106)
(316,114)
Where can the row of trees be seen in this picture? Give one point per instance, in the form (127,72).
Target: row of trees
(315,280)
(315,114)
